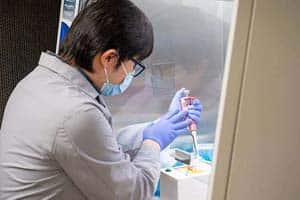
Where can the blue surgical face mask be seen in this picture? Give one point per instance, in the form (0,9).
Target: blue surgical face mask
(110,89)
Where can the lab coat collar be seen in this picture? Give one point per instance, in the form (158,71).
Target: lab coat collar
(52,62)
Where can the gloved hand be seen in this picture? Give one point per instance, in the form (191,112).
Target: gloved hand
(195,110)
(167,128)
(175,103)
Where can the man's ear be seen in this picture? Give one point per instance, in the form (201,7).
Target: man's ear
(109,59)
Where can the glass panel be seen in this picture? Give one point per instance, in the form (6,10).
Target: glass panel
(190,47)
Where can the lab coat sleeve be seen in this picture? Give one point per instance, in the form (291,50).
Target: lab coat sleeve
(130,138)
(87,150)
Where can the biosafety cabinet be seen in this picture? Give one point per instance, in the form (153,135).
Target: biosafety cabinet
(241,58)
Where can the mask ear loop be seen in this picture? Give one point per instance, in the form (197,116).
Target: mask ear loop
(106,75)
(123,66)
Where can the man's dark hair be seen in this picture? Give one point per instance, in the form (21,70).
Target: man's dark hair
(108,24)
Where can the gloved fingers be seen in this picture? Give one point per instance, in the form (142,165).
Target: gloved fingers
(179,93)
(193,107)
(196,106)
(170,114)
(194,115)
(194,112)
(175,103)
(183,124)
(179,116)
(196,102)
(195,118)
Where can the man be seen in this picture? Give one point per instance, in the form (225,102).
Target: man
(57,140)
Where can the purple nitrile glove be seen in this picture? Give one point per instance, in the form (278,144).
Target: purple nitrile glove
(167,128)
(175,103)
(195,110)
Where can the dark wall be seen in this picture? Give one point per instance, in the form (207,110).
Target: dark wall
(27,27)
